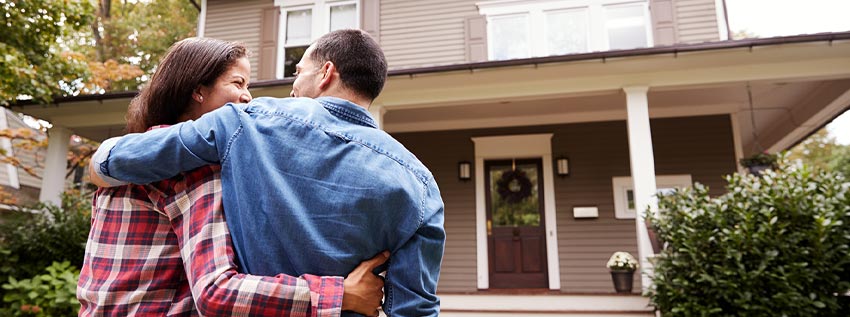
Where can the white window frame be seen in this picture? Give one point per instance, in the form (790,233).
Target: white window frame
(647,21)
(320,23)
(597,28)
(622,184)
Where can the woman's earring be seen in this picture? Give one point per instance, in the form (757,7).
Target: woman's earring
(201,99)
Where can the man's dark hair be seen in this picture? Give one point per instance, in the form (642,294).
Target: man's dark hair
(188,64)
(358,58)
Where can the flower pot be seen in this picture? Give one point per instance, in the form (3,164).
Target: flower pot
(757,169)
(622,281)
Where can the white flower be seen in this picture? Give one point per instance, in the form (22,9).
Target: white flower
(622,261)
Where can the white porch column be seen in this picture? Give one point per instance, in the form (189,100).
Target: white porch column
(53,181)
(643,171)
(377,111)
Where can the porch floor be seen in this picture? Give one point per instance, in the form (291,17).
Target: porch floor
(544,305)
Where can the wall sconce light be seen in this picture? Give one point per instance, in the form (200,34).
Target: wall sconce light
(563,165)
(463,170)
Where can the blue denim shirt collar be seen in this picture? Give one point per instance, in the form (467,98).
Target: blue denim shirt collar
(348,111)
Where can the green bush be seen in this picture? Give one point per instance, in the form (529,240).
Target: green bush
(51,294)
(775,245)
(33,243)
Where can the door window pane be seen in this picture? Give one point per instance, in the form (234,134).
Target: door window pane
(299,26)
(566,32)
(514,195)
(626,27)
(343,17)
(510,37)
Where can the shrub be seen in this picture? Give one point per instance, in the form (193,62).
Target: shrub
(32,243)
(51,294)
(772,245)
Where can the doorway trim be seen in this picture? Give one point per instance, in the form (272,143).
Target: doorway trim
(509,147)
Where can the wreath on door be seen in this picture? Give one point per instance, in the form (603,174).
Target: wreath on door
(514,186)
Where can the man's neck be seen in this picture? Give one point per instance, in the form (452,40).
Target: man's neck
(347,95)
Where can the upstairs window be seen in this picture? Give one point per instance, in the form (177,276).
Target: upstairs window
(524,28)
(305,21)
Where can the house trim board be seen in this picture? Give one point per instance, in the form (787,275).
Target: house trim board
(202,18)
(832,110)
(737,140)
(508,147)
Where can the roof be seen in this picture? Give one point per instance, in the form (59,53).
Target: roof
(657,50)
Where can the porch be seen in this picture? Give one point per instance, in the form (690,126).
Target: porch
(599,305)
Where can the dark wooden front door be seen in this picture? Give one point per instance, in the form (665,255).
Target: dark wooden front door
(515,228)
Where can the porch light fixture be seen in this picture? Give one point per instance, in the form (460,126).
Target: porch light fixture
(563,165)
(463,170)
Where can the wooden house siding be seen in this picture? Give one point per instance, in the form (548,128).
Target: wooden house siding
(34,157)
(423,33)
(239,21)
(696,21)
(700,146)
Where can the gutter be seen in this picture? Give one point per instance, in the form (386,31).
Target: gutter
(657,50)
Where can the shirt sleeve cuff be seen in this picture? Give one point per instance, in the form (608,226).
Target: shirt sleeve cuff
(101,162)
(327,292)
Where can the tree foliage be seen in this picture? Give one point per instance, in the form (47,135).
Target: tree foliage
(821,151)
(128,38)
(32,60)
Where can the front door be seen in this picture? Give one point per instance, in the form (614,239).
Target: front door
(515,229)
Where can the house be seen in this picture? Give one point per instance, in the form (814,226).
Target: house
(575,112)
(18,185)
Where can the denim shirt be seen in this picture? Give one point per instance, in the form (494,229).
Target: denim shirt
(310,186)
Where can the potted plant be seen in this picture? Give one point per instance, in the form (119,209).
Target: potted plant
(622,266)
(759,162)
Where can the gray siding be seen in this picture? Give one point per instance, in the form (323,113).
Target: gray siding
(697,21)
(30,157)
(423,33)
(700,146)
(238,21)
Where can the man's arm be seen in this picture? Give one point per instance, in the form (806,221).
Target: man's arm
(142,158)
(413,272)
(219,290)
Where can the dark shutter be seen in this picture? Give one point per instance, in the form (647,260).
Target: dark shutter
(476,39)
(268,44)
(664,31)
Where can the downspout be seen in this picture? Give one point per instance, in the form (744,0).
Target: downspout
(725,18)
(202,16)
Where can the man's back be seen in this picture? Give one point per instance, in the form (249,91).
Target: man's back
(312,187)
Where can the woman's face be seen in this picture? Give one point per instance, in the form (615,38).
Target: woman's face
(231,86)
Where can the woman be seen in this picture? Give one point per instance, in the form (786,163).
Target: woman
(164,248)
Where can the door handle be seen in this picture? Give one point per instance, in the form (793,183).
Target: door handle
(489,227)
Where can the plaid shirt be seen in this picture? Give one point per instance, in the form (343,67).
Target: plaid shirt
(164,249)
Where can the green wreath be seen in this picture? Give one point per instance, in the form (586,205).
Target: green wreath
(514,186)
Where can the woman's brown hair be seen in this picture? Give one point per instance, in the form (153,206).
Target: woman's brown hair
(188,64)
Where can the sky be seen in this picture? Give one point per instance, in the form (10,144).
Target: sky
(769,18)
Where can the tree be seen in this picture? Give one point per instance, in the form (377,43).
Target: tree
(33,62)
(128,38)
(822,152)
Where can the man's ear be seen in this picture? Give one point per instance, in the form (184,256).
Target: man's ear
(328,73)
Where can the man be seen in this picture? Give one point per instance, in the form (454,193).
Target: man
(311,186)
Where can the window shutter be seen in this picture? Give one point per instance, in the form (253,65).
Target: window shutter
(370,18)
(664,29)
(268,44)
(476,39)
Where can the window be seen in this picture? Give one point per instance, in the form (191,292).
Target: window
(525,28)
(302,24)
(624,200)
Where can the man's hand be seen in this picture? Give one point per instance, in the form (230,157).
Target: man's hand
(363,290)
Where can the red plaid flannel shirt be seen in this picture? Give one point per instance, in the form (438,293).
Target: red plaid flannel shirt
(164,249)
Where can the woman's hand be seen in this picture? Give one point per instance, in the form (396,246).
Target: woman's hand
(362,289)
